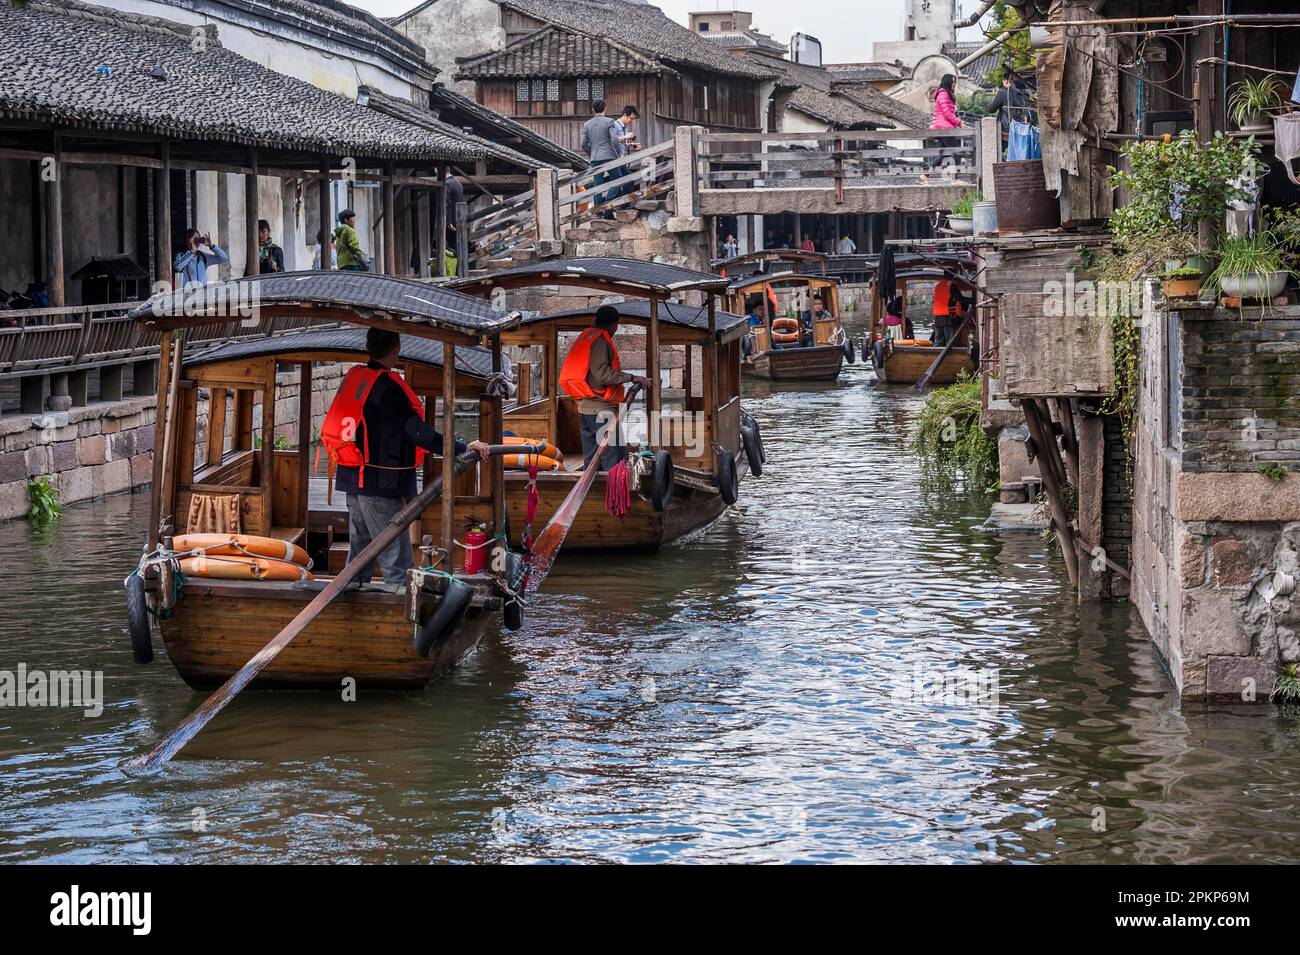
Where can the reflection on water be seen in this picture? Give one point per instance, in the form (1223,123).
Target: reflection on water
(761,694)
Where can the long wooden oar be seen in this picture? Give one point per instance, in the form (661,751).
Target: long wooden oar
(552,536)
(934,365)
(172,743)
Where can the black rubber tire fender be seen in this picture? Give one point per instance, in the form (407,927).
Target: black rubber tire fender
(137,620)
(512,614)
(849,354)
(665,479)
(748,420)
(749,439)
(878,356)
(727,480)
(443,619)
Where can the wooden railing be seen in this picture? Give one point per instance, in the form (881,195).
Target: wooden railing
(837,160)
(73,337)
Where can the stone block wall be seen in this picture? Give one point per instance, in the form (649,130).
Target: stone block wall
(107,447)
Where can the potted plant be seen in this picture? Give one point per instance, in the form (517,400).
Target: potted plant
(1183,282)
(1250,101)
(961,216)
(1250,267)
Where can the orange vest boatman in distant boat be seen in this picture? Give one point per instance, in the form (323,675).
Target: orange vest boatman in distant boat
(592,374)
(949,306)
(375,433)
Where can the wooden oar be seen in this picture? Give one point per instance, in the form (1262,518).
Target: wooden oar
(552,536)
(934,366)
(172,743)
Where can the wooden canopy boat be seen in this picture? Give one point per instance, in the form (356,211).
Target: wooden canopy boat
(705,444)
(900,359)
(817,359)
(259,487)
(771,260)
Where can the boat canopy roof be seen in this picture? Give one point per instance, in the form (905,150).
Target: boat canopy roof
(780,278)
(626,276)
(772,255)
(331,343)
(671,313)
(335,295)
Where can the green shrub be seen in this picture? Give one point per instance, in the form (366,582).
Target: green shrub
(44,498)
(948,436)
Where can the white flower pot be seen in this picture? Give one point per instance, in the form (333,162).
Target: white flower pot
(1256,286)
(962,225)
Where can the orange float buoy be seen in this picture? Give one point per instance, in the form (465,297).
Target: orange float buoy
(548,450)
(241,545)
(523,461)
(785,324)
(243,568)
(785,338)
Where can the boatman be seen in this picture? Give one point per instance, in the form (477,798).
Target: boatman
(592,374)
(949,307)
(376,434)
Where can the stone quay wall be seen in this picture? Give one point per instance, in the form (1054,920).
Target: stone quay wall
(107,447)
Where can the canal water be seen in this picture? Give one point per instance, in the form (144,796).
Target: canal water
(846,667)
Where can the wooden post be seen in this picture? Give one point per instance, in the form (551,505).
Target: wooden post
(462,239)
(323,205)
(389,199)
(1052,471)
(216,426)
(424,232)
(712,396)
(546,204)
(448,452)
(54,227)
(162,217)
(838,146)
(304,441)
(268,451)
(652,369)
(169,355)
(798,231)
(440,223)
(496,465)
(252,266)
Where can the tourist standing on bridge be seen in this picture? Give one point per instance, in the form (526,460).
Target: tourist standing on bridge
(351,258)
(847,246)
(944,115)
(197,254)
(270,257)
(601,144)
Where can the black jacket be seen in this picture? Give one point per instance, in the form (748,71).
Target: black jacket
(393,432)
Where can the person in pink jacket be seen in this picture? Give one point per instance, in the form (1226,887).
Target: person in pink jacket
(945,104)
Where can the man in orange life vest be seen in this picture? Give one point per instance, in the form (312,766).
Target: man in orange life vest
(376,433)
(949,307)
(591,373)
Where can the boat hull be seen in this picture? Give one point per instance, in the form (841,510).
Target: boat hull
(907,364)
(642,529)
(818,363)
(217,626)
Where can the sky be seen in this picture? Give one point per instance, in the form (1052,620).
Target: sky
(847,28)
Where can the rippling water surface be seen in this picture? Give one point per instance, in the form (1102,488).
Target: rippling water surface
(749,697)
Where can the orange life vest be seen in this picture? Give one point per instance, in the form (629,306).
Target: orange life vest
(945,298)
(573,374)
(338,432)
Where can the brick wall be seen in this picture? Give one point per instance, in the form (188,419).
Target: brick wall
(1241,389)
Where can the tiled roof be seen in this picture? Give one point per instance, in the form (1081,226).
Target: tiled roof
(743,40)
(409,112)
(462,111)
(638,26)
(555,51)
(817,93)
(867,72)
(979,68)
(92,67)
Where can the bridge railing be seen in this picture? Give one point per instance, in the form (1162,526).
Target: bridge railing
(837,160)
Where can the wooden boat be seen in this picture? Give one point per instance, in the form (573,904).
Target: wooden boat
(212,627)
(901,360)
(793,293)
(705,436)
(771,260)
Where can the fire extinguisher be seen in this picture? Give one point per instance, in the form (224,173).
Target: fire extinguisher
(476,550)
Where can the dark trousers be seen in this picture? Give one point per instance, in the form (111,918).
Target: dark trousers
(594,428)
(367,518)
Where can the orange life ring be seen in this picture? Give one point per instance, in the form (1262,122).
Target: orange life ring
(243,568)
(785,324)
(922,342)
(519,462)
(785,338)
(242,545)
(548,450)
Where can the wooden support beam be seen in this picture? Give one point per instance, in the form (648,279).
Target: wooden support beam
(53,176)
(251,214)
(440,224)
(449,453)
(652,366)
(160,435)
(1052,470)
(462,239)
(389,199)
(326,221)
(304,441)
(496,464)
(216,426)
(162,217)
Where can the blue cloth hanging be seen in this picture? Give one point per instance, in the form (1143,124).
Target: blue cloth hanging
(1023,142)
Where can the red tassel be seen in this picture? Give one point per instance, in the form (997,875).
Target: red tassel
(618,490)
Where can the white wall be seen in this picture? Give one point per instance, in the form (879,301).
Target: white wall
(452,28)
